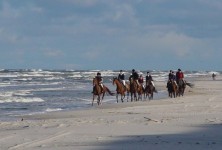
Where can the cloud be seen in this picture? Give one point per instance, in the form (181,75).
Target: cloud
(94,29)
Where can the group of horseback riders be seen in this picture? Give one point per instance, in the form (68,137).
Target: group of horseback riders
(179,77)
(175,81)
(172,77)
(134,76)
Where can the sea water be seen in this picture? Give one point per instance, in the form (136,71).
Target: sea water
(31,91)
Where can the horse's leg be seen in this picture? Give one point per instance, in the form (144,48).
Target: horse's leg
(116,97)
(98,99)
(131,96)
(103,95)
(122,97)
(93,99)
(135,96)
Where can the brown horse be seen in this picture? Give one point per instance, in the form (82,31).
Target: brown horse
(140,91)
(149,90)
(121,89)
(99,91)
(133,89)
(172,89)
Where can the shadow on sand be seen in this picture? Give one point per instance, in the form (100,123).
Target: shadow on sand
(208,137)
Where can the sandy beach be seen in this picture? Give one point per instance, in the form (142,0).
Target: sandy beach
(192,122)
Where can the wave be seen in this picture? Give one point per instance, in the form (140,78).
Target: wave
(53,109)
(21,100)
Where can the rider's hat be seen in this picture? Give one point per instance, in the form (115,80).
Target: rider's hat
(179,69)
(98,73)
(133,70)
(121,70)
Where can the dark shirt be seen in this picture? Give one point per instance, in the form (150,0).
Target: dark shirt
(172,76)
(99,78)
(121,77)
(149,78)
(135,75)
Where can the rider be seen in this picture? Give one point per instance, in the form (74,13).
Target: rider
(141,80)
(179,76)
(135,76)
(149,78)
(121,77)
(100,80)
(213,76)
(170,76)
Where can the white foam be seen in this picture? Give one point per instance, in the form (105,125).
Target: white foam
(53,109)
(22,93)
(54,78)
(211,72)
(8,76)
(21,100)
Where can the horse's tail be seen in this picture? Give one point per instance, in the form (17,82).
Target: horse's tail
(190,84)
(107,89)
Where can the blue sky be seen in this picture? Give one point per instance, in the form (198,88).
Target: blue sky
(111,34)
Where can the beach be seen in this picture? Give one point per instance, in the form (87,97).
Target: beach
(191,122)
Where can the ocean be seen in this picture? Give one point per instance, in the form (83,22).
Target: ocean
(33,91)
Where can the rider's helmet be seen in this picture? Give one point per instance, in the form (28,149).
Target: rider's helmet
(98,74)
(179,69)
(133,70)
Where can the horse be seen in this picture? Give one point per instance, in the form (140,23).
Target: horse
(140,91)
(172,88)
(149,90)
(121,89)
(181,87)
(99,91)
(133,89)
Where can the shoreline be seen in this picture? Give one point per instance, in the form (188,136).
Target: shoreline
(190,122)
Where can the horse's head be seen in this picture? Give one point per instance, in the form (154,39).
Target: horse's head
(95,81)
(114,80)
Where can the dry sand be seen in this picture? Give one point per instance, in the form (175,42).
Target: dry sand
(190,122)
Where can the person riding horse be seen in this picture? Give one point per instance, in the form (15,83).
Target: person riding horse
(121,78)
(180,77)
(141,81)
(172,77)
(149,79)
(100,80)
(135,76)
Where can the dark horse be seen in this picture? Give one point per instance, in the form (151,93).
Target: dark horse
(99,91)
(181,87)
(121,89)
(149,90)
(172,88)
(133,89)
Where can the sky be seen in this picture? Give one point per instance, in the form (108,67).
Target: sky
(111,34)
